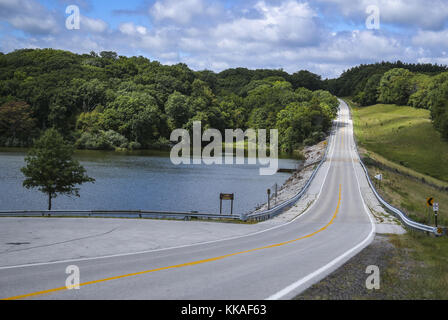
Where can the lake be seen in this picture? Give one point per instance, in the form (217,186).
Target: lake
(145,180)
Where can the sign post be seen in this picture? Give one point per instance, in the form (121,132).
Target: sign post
(226,196)
(379,177)
(276,192)
(435,207)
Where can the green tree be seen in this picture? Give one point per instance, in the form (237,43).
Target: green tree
(369,95)
(306,79)
(396,86)
(135,115)
(177,110)
(439,104)
(51,169)
(16,120)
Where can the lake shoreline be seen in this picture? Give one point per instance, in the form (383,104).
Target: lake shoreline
(294,184)
(144,182)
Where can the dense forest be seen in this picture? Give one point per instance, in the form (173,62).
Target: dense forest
(106,101)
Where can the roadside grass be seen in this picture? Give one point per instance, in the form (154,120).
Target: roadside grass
(403,146)
(402,135)
(424,261)
(410,194)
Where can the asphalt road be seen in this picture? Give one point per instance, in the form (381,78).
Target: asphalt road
(276,263)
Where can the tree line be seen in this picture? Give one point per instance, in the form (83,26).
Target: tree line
(105,101)
(403,87)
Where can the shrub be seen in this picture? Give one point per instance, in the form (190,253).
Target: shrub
(134,145)
(101,140)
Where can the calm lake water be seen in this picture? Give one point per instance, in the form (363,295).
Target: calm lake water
(144,181)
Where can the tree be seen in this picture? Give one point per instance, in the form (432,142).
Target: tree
(177,110)
(439,105)
(306,79)
(51,169)
(135,115)
(369,95)
(16,120)
(395,86)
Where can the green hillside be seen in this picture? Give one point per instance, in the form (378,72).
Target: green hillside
(403,135)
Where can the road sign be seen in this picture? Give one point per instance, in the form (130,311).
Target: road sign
(379,177)
(429,202)
(226,196)
(435,207)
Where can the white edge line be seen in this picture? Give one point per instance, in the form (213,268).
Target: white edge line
(280,294)
(177,247)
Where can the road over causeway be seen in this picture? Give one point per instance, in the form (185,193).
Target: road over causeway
(276,263)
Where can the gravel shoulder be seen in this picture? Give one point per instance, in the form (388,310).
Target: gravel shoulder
(295,183)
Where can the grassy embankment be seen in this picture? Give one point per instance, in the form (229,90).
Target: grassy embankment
(401,143)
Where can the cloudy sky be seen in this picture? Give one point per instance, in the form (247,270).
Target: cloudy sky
(323,36)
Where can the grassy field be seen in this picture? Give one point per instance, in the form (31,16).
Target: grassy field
(410,196)
(404,136)
(425,260)
(403,145)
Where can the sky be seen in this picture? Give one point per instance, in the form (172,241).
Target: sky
(326,37)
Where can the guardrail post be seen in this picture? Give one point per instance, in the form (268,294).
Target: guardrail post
(269,199)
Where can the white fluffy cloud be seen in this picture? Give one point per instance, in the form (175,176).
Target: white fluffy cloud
(93,25)
(288,34)
(28,16)
(424,14)
(130,29)
(288,23)
(182,12)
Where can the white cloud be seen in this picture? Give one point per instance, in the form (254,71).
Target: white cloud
(431,39)
(288,34)
(181,12)
(129,28)
(290,22)
(424,14)
(28,16)
(92,25)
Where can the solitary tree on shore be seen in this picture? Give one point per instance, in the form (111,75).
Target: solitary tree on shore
(51,169)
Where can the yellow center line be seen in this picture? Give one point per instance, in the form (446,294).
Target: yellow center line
(184,264)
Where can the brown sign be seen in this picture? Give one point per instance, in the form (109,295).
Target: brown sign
(227,196)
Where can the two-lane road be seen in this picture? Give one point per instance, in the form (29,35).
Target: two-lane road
(276,263)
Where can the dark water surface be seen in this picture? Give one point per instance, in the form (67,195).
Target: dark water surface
(143,181)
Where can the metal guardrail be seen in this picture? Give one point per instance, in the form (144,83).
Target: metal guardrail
(275,211)
(119,214)
(401,215)
(398,213)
